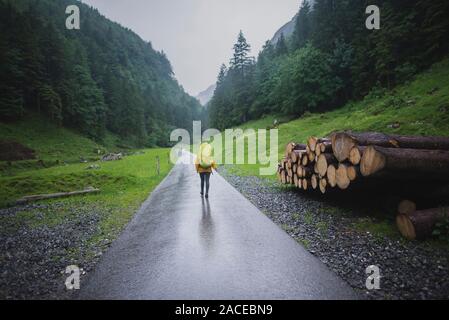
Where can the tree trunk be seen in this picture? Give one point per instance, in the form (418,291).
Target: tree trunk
(343,142)
(427,163)
(420,224)
(37,197)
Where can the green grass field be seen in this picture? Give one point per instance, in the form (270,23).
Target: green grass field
(48,140)
(124,185)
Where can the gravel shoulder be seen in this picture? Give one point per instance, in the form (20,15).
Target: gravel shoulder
(34,255)
(348,241)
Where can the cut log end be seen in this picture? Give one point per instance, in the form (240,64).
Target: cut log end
(342,179)
(331,175)
(323,185)
(342,143)
(405,227)
(314,181)
(353,172)
(312,142)
(406,207)
(355,155)
(372,161)
(419,224)
(305,184)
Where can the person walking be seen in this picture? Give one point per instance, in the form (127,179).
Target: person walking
(204,165)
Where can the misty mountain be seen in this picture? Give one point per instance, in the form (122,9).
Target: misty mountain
(287,29)
(205,96)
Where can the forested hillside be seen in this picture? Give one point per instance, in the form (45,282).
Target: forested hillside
(330,59)
(98,80)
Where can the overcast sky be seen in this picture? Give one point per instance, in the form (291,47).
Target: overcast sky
(198,35)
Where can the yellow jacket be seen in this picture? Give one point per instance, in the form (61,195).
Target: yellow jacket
(200,169)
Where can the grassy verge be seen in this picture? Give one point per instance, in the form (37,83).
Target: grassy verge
(124,185)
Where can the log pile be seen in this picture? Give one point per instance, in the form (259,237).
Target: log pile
(345,158)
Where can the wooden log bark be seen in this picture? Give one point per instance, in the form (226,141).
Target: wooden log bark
(343,142)
(341,176)
(37,197)
(426,163)
(323,162)
(420,224)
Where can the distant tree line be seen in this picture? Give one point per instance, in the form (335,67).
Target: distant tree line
(330,59)
(99,79)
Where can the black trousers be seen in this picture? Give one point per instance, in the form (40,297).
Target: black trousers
(205,176)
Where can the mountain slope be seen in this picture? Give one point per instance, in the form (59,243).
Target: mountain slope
(205,96)
(287,30)
(100,78)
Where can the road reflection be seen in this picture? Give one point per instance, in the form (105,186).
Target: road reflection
(207,228)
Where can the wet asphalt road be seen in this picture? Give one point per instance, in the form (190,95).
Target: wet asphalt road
(180,246)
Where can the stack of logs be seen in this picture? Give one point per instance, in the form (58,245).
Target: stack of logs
(346,158)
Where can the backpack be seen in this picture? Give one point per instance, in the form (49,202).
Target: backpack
(205,156)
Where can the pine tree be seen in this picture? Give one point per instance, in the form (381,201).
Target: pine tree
(241,59)
(281,46)
(302,30)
